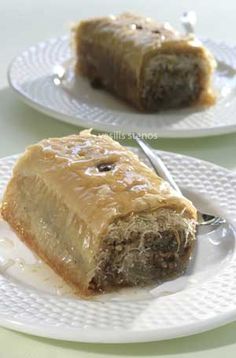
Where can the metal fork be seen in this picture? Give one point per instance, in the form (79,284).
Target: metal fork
(207,222)
(189,20)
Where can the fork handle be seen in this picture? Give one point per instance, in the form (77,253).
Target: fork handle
(157,163)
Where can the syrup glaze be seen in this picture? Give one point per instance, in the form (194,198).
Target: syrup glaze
(136,37)
(69,166)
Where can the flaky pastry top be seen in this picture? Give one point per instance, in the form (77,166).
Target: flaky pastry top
(98,179)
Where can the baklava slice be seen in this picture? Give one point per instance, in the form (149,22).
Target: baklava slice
(144,62)
(97,215)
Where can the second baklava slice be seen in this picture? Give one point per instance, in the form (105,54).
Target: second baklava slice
(146,63)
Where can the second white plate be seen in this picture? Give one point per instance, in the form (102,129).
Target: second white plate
(31,75)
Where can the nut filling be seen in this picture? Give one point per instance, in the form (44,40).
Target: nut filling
(132,255)
(173,81)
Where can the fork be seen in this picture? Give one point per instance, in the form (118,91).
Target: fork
(206,222)
(189,21)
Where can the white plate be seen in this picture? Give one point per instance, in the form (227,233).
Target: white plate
(34,300)
(31,76)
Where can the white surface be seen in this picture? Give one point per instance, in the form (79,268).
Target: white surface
(34,300)
(33,76)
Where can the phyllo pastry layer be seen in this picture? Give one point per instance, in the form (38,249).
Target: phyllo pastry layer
(144,62)
(97,215)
